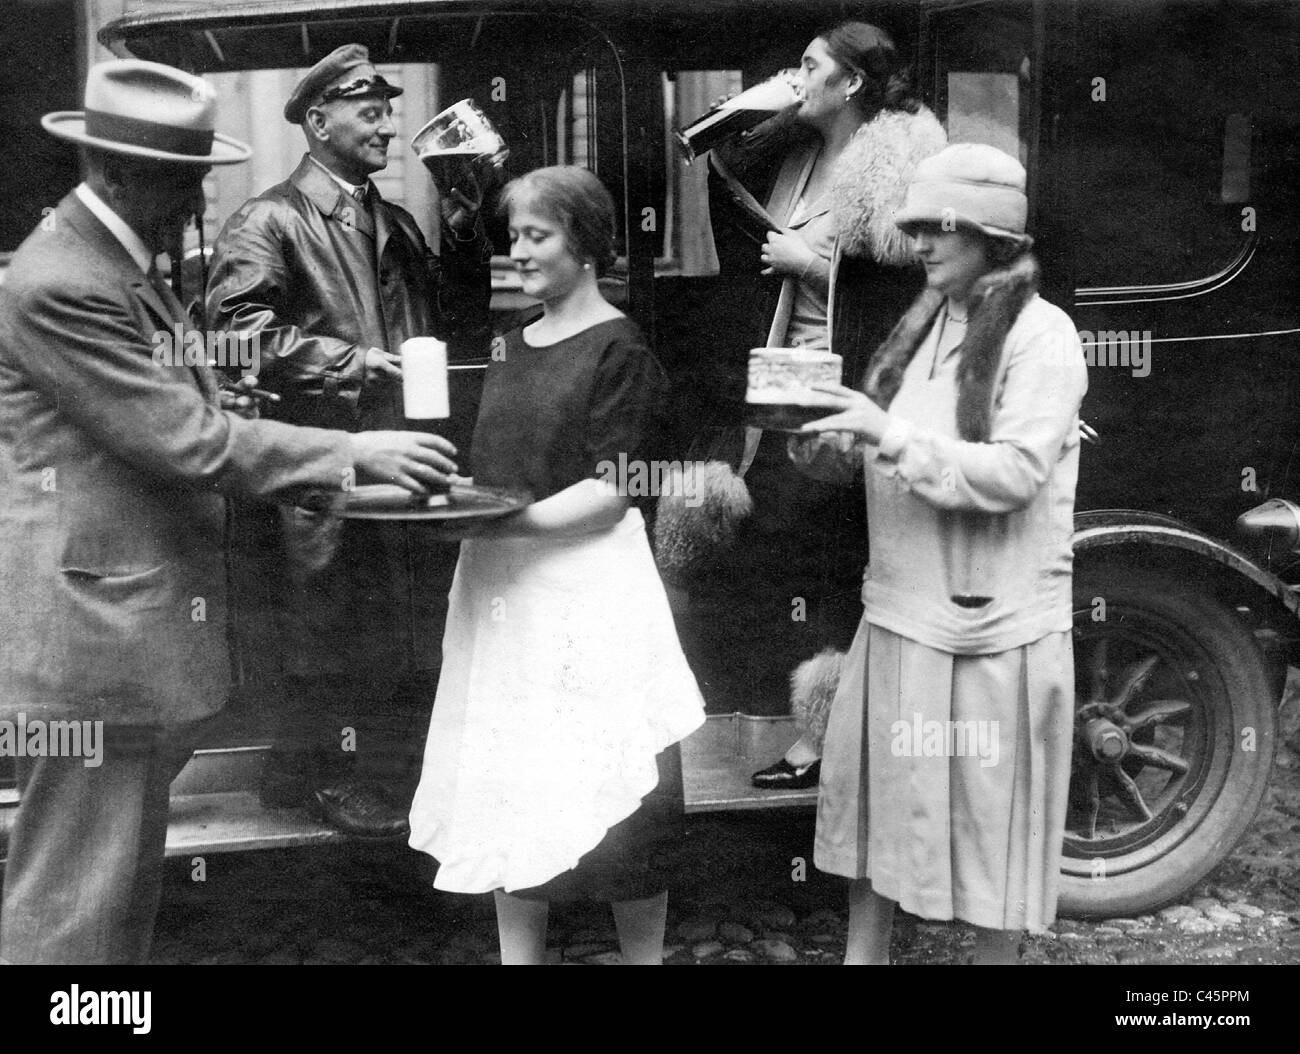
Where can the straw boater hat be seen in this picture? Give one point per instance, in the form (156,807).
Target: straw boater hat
(148,110)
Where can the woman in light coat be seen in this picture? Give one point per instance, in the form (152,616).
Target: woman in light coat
(947,757)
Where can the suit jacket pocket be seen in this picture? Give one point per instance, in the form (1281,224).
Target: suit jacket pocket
(141,645)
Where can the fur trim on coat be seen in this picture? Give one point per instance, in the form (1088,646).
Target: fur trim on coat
(869,181)
(690,534)
(812,689)
(995,303)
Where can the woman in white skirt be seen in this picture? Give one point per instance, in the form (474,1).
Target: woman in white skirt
(947,758)
(550,770)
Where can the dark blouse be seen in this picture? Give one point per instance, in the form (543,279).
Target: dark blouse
(550,415)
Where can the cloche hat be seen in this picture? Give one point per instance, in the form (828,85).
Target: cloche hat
(972,185)
(148,110)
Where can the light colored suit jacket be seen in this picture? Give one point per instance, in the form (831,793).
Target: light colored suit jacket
(113,468)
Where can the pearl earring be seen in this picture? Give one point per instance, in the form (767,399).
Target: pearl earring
(586,267)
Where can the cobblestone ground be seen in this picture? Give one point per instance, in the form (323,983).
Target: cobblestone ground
(737,903)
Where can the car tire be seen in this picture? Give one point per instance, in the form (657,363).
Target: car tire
(1182,677)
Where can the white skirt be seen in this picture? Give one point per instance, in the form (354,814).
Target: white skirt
(562,678)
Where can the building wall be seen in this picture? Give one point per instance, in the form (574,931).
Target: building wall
(40,41)
(249,106)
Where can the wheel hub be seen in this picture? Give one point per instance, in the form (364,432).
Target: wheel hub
(1106,740)
(1110,729)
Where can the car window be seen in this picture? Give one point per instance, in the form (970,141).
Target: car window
(248,108)
(979,62)
(1169,170)
(688,241)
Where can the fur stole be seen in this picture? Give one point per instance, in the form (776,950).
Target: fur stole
(870,180)
(996,302)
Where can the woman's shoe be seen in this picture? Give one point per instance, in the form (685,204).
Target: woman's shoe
(784,776)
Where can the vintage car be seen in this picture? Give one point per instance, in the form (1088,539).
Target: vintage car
(1160,140)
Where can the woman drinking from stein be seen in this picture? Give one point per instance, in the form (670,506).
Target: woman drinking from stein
(947,757)
(550,770)
(830,173)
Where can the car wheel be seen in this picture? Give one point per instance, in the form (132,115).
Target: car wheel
(1174,734)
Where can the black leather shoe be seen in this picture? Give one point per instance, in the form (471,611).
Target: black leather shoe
(359,808)
(784,776)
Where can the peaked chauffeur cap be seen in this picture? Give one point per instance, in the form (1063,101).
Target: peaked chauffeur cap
(345,73)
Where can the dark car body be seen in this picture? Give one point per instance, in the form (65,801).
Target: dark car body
(1160,140)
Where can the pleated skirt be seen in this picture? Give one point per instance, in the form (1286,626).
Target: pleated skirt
(945,777)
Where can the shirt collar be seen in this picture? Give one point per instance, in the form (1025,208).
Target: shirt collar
(117,227)
(348,188)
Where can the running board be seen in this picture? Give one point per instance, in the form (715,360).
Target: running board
(719,758)
(215,808)
(235,821)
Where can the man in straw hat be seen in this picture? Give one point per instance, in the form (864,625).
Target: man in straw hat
(114,463)
(331,278)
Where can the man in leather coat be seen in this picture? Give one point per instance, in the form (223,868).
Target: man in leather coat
(331,279)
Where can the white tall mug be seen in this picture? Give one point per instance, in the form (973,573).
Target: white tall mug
(424,379)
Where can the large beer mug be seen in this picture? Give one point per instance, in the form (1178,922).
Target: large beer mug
(455,140)
(741,112)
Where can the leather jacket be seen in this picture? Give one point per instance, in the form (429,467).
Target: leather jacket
(319,279)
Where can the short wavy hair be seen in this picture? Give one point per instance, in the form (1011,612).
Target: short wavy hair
(575,199)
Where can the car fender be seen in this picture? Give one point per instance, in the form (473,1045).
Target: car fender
(1107,528)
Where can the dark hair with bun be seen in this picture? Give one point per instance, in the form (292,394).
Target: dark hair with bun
(859,47)
(575,199)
